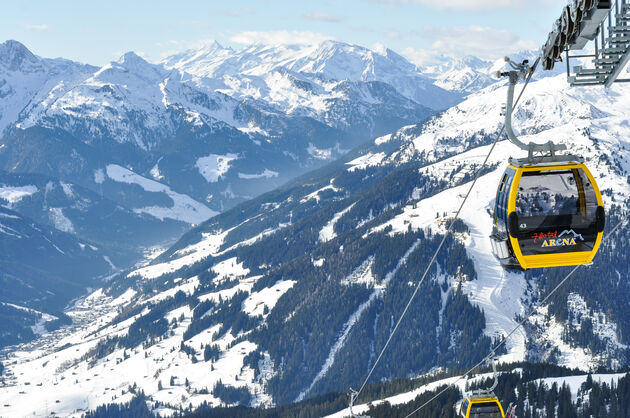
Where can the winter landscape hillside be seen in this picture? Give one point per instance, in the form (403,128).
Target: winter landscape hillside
(130,155)
(311,186)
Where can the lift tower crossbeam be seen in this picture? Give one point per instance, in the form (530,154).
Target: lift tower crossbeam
(604,22)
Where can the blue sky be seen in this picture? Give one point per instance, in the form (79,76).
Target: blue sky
(98,32)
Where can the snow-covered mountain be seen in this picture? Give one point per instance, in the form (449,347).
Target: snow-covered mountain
(130,155)
(25,78)
(173,122)
(265,72)
(467,75)
(293,293)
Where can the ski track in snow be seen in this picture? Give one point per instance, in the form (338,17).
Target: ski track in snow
(495,290)
(328,231)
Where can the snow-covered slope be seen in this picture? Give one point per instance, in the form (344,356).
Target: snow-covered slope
(589,120)
(146,151)
(293,294)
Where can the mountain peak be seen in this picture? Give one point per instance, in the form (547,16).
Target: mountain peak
(131,58)
(15,56)
(136,64)
(212,46)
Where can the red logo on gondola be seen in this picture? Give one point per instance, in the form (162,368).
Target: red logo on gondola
(544,235)
(552,239)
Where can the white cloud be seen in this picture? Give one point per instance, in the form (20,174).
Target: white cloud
(483,42)
(36,27)
(282,37)
(322,17)
(420,56)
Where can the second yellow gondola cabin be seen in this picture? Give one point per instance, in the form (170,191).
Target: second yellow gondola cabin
(547,215)
(485,406)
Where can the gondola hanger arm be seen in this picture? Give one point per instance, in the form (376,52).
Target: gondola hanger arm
(549,149)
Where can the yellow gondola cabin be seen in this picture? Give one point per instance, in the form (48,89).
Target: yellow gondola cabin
(547,215)
(485,406)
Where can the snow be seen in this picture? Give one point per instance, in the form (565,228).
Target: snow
(227,294)
(213,167)
(365,161)
(498,292)
(549,109)
(124,175)
(327,233)
(267,174)
(13,194)
(383,139)
(570,355)
(320,154)
(575,382)
(184,208)
(38,328)
(319,262)
(229,269)
(257,237)
(268,297)
(207,246)
(603,328)
(155,171)
(187,286)
(315,195)
(568,115)
(109,261)
(60,221)
(50,375)
(67,189)
(99,176)
(10,231)
(361,275)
